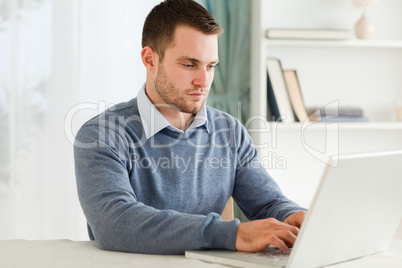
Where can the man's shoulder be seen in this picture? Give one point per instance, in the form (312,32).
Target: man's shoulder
(120,111)
(218,117)
(213,112)
(117,118)
(224,126)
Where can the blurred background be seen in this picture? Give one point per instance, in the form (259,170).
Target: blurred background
(61,62)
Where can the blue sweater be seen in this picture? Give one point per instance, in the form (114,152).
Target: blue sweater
(165,194)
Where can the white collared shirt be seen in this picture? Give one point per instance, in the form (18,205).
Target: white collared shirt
(153,121)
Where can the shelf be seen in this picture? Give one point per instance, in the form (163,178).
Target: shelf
(342,125)
(353,43)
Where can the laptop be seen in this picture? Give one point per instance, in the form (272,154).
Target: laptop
(355,212)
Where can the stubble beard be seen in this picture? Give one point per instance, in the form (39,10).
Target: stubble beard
(170,94)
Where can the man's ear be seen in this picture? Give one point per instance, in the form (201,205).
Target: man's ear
(149,59)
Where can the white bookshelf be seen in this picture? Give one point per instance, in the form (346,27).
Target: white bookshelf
(397,44)
(381,126)
(363,73)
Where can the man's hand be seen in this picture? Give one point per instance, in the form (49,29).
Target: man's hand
(256,235)
(296,219)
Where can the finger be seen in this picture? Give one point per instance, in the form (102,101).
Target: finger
(288,237)
(279,243)
(296,219)
(297,222)
(285,226)
(299,218)
(294,230)
(291,228)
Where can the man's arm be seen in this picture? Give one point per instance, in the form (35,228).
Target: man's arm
(275,220)
(120,222)
(257,235)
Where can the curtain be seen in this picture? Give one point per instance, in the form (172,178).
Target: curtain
(230,90)
(231,87)
(61,62)
(25,70)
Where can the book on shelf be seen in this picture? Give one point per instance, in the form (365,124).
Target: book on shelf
(278,99)
(344,119)
(308,34)
(295,95)
(337,114)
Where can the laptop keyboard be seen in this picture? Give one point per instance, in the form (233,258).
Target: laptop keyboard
(271,254)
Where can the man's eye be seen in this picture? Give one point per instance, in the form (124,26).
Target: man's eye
(188,65)
(212,67)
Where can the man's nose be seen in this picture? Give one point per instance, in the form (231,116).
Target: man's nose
(202,79)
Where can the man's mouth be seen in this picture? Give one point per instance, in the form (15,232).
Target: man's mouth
(197,94)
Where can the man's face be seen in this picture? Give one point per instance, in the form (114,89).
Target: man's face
(185,75)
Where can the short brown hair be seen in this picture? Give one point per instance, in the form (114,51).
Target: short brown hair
(161,23)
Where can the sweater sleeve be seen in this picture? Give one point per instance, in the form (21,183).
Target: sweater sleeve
(119,221)
(255,191)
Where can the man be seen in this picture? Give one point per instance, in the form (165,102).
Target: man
(154,174)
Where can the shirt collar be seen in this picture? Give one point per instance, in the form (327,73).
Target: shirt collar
(153,121)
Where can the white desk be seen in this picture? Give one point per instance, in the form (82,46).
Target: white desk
(72,254)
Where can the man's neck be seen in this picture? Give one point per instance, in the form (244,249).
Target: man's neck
(176,118)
